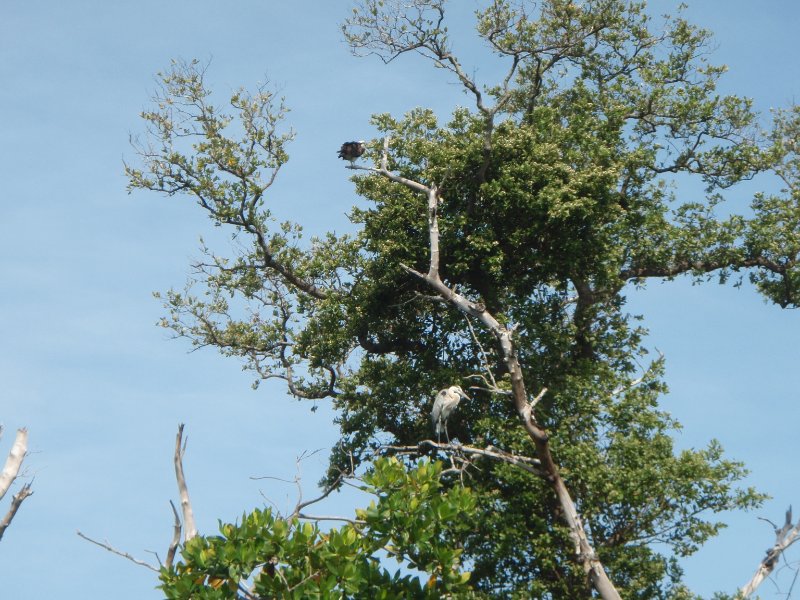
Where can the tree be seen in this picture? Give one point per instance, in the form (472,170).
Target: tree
(496,252)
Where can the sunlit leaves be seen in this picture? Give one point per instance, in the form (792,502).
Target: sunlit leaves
(271,556)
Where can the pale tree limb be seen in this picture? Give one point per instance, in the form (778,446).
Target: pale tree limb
(531,465)
(639,380)
(10,473)
(16,501)
(110,548)
(584,553)
(784,537)
(176,537)
(190,529)
(14,461)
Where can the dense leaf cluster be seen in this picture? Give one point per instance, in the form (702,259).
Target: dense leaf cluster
(266,556)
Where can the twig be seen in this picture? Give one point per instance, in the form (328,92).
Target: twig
(329,518)
(484,358)
(107,546)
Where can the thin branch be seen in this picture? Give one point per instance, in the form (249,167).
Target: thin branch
(176,537)
(107,546)
(531,465)
(329,518)
(484,358)
(638,381)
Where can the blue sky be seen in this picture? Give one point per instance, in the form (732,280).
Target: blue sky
(102,389)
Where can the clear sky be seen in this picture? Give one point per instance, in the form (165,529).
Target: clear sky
(102,389)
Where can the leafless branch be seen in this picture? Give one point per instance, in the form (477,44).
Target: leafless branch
(110,548)
(16,501)
(176,536)
(785,536)
(531,465)
(14,461)
(190,529)
(484,358)
(329,518)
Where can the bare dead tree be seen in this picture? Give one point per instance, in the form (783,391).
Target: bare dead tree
(10,473)
(785,536)
(584,553)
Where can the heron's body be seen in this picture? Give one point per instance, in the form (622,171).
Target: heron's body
(445,403)
(352,150)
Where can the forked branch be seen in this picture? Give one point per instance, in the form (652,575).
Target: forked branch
(583,551)
(785,536)
(10,473)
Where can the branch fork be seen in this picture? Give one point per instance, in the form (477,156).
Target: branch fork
(549,471)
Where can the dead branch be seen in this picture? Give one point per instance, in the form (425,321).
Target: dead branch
(531,465)
(16,501)
(110,548)
(190,529)
(14,461)
(785,536)
(176,537)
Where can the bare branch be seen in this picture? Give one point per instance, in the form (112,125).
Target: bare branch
(484,358)
(784,537)
(531,465)
(110,548)
(16,501)
(186,505)
(329,518)
(14,461)
(176,537)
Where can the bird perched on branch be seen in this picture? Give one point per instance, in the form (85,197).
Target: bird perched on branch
(445,403)
(352,150)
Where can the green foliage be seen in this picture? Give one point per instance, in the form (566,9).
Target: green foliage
(271,557)
(558,191)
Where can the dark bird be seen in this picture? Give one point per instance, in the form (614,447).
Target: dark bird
(351,151)
(445,403)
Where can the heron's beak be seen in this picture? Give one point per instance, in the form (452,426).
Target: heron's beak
(465,397)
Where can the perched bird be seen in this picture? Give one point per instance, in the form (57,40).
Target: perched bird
(352,150)
(445,403)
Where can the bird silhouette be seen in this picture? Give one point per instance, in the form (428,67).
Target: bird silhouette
(352,150)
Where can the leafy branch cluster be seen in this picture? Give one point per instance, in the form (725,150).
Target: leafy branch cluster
(268,556)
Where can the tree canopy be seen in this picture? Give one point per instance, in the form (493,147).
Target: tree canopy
(495,252)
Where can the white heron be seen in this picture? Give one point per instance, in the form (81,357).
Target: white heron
(445,403)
